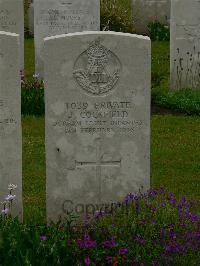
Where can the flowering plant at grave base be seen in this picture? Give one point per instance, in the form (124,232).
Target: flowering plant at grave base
(154,228)
(8,202)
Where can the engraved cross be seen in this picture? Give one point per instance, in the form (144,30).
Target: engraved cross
(99,163)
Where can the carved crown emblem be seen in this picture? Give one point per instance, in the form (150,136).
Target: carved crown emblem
(97,70)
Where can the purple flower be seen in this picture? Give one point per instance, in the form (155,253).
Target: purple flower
(172,200)
(109,243)
(129,198)
(43,238)
(123,251)
(86,242)
(109,259)
(192,216)
(137,207)
(87,261)
(5,211)
(172,235)
(10,197)
(163,204)
(140,240)
(152,193)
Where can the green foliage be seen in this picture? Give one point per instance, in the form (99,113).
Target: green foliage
(158,31)
(116,16)
(32,97)
(185,101)
(34,176)
(21,244)
(154,228)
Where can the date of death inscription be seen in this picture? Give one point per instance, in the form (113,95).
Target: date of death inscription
(99,117)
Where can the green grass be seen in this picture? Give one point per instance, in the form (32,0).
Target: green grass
(33,168)
(175,154)
(175,160)
(29,58)
(160,63)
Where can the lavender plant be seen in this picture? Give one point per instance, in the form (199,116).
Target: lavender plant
(154,228)
(187,69)
(8,201)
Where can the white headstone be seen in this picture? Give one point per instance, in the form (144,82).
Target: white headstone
(185,44)
(54,17)
(146,11)
(97,119)
(12,20)
(10,119)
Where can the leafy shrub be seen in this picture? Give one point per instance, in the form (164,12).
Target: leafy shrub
(153,228)
(32,97)
(158,31)
(115,16)
(186,101)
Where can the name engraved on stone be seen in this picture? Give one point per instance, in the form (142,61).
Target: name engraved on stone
(98,164)
(101,117)
(6,20)
(97,70)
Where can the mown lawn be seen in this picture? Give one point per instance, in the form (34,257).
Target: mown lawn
(175,159)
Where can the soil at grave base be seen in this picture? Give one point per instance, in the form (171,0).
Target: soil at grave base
(156,110)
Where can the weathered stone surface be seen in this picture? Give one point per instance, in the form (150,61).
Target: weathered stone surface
(53,17)
(146,11)
(97,119)
(185,44)
(10,119)
(12,20)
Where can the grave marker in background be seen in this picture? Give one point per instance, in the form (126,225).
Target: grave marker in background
(146,11)
(97,88)
(54,17)
(31,17)
(12,20)
(10,119)
(185,44)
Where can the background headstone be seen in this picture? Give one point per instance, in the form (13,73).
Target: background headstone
(146,11)
(12,20)
(54,17)
(185,44)
(31,17)
(10,119)
(97,88)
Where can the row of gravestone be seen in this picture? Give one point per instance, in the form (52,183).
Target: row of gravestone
(59,17)
(144,12)
(97,120)
(97,94)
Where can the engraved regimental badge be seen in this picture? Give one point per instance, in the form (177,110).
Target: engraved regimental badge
(97,70)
